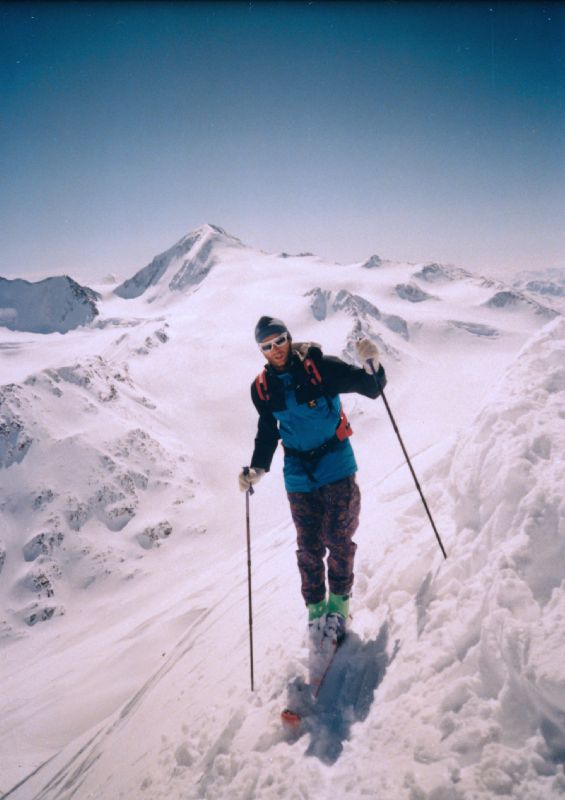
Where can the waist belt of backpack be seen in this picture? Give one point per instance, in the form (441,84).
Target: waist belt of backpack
(316,453)
(309,458)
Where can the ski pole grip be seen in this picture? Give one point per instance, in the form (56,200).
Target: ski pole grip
(251,490)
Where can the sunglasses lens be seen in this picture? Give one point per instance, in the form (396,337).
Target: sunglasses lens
(279,341)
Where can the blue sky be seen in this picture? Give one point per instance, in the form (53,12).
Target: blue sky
(418,131)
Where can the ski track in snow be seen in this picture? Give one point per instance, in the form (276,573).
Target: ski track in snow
(450,686)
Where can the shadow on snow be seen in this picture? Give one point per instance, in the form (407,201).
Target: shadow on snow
(346,695)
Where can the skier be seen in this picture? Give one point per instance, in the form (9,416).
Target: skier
(297,398)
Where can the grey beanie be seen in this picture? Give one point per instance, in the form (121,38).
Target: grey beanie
(267,326)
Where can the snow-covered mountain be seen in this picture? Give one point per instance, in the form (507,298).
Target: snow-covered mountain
(123,605)
(546,285)
(52,305)
(183,265)
(510,299)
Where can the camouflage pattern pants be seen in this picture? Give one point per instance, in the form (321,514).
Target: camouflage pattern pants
(326,519)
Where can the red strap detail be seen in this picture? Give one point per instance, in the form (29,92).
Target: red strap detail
(344,429)
(261,386)
(313,372)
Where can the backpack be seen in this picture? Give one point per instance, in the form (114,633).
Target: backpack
(343,430)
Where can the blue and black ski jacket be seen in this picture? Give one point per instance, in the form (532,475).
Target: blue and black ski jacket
(305,413)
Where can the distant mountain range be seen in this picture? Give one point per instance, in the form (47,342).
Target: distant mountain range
(60,304)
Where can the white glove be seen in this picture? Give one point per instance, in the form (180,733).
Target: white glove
(368,354)
(250,476)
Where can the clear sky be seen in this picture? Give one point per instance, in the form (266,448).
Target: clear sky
(418,131)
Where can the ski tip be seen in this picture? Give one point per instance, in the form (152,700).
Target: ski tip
(290,718)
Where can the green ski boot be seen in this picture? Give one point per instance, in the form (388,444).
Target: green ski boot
(337,613)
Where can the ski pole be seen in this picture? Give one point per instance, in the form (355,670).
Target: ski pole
(418,487)
(248,493)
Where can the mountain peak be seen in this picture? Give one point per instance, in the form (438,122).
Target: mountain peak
(186,263)
(209,229)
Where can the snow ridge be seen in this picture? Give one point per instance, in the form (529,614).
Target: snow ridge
(491,698)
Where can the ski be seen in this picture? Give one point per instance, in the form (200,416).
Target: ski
(322,649)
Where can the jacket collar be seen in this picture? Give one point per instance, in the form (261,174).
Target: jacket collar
(298,354)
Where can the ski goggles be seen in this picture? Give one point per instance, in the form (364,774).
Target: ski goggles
(278,342)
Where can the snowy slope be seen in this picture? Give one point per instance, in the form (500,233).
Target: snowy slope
(123,585)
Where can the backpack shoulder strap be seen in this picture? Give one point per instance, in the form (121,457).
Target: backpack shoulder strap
(262,386)
(312,371)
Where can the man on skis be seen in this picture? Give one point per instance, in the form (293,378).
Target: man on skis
(297,398)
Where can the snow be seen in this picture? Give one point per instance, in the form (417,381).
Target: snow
(123,583)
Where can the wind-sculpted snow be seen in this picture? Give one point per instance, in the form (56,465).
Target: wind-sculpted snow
(52,305)
(512,464)
(483,690)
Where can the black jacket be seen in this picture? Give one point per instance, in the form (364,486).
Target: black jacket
(337,378)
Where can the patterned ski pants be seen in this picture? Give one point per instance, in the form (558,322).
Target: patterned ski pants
(326,518)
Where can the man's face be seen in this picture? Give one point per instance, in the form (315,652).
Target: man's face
(278,354)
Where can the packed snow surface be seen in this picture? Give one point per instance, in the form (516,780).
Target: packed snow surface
(123,568)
